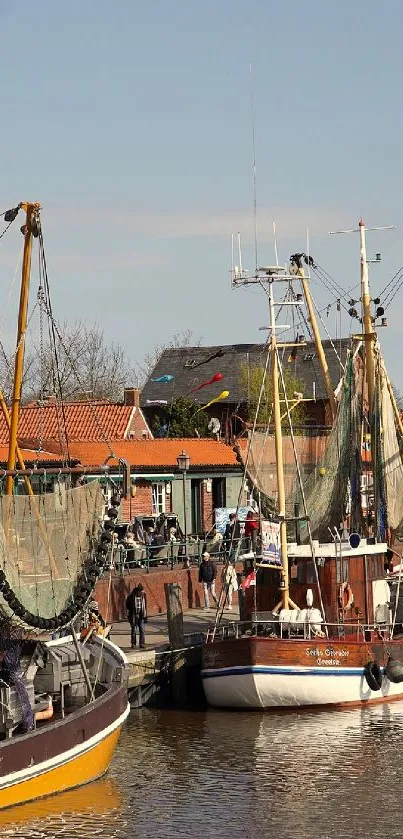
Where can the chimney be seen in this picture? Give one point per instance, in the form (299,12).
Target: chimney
(132,396)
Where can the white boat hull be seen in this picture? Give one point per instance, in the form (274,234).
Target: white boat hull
(277,687)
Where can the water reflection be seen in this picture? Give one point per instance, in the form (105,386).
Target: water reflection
(79,812)
(214,774)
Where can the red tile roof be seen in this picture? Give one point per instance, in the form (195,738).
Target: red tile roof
(30,456)
(81,420)
(149,454)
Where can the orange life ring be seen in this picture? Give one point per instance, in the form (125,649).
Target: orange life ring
(345,589)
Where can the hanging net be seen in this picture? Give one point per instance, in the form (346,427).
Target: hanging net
(392,466)
(326,489)
(45,540)
(261,463)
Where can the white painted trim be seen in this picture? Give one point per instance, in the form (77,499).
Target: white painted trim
(330,549)
(59,760)
(108,643)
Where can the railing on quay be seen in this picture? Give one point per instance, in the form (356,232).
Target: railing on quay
(171,554)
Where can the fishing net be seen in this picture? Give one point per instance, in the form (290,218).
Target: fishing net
(392,466)
(326,489)
(261,463)
(44,542)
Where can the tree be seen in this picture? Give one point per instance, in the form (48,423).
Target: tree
(181,419)
(399,398)
(251,383)
(184,338)
(81,365)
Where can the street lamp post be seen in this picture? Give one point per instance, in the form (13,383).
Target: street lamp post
(183,461)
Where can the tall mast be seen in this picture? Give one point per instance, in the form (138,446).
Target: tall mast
(278,441)
(31,211)
(369,333)
(318,342)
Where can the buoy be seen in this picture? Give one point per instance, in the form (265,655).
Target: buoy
(346,596)
(394,670)
(373,675)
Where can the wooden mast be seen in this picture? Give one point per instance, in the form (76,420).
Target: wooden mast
(278,440)
(318,342)
(30,210)
(368,327)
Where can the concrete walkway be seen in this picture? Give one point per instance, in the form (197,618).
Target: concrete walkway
(194,621)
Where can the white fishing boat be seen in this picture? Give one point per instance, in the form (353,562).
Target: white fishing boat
(319,627)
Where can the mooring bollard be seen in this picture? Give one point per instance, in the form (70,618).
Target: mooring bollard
(173,597)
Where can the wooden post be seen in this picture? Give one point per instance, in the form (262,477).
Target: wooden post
(173,598)
(30,210)
(369,334)
(318,343)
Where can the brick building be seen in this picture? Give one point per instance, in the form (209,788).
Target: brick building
(214,478)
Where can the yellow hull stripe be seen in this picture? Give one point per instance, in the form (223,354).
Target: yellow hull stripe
(80,769)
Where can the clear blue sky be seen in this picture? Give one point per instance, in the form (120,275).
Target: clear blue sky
(131,123)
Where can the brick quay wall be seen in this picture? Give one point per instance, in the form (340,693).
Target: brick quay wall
(116,589)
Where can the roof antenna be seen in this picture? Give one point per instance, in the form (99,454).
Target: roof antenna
(275,242)
(240,255)
(252,110)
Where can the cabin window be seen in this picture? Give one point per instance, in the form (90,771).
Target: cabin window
(305,572)
(158,498)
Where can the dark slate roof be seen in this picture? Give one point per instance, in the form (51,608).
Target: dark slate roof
(192,365)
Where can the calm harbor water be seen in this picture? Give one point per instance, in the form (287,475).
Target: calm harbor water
(217,774)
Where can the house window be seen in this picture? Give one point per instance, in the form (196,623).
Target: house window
(158,498)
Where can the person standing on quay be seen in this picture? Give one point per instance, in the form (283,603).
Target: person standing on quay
(207,576)
(136,605)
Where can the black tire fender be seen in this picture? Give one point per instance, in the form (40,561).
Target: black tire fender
(373,675)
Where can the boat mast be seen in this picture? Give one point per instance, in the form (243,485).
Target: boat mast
(368,328)
(318,342)
(278,441)
(31,211)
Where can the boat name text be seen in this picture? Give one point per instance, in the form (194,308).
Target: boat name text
(328,656)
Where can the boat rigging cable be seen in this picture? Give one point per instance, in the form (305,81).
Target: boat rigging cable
(301,487)
(221,605)
(394,285)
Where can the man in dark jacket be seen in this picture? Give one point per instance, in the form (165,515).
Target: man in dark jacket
(136,605)
(207,576)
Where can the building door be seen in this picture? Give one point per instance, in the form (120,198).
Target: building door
(196,506)
(219,494)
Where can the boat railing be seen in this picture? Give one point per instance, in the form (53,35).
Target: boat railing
(299,631)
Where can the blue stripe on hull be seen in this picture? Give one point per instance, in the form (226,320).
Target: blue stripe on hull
(283,671)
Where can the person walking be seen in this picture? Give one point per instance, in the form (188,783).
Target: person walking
(136,606)
(207,576)
(229,581)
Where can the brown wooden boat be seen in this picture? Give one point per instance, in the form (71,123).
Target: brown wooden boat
(345,646)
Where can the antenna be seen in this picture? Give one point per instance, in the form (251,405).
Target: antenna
(232,258)
(367,320)
(275,242)
(240,253)
(252,110)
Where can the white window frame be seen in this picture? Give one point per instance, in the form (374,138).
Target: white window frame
(158,493)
